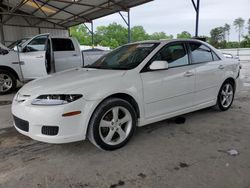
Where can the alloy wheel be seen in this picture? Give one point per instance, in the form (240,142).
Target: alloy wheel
(115,125)
(226,96)
(5,82)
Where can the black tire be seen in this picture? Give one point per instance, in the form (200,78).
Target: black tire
(13,80)
(104,108)
(220,105)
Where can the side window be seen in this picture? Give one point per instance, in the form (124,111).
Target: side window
(200,53)
(174,54)
(60,44)
(37,44)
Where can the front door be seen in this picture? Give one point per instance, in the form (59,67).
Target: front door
(66,55)
(33,57)
(167,91)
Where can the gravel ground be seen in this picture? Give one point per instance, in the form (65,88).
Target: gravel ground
(164,154)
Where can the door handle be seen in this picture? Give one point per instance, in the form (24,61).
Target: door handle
(39,56)
(74,54)
(188,74)
(221,67)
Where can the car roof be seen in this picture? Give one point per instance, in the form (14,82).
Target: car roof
(165,41)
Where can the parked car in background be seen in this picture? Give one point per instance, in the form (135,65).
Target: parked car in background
(134,85)
(230,56)
(40,56)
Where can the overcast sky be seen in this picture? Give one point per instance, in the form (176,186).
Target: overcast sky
(175,16)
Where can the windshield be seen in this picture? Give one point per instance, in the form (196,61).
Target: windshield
(124,58)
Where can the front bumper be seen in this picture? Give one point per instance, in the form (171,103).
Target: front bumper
(70,129)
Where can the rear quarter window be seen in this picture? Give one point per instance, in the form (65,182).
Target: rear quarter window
(60,44)
(200,53)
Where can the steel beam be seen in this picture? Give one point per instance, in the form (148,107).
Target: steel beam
(127,22)
(92,34)
(129,27)
(197,10)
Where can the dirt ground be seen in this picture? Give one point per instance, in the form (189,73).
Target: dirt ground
(160,155)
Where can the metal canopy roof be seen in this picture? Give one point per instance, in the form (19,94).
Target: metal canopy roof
(62,13)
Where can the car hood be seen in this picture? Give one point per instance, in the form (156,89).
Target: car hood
(70,81)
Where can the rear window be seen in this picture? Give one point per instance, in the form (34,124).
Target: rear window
(200,53)
(62,44)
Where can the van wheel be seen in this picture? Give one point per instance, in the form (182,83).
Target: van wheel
(226,96)
(7,82)
(112,124)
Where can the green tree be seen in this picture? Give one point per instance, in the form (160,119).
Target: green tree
(113,35)
(239,24)
(248,27)
(81,33)
(227,29)
(184,35)
(139,34)
(217,37)
(159,36)
(246,41)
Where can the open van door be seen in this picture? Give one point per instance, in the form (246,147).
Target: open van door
(35,61)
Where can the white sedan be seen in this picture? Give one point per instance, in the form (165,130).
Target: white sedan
(134,85)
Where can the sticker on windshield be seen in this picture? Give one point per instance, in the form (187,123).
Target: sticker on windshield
(145,45)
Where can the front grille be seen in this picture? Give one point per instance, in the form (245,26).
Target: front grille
(50,130)
(21,124)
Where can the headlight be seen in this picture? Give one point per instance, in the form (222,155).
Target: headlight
(55,99)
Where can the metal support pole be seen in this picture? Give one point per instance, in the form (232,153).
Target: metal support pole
(92,34)
(197,10)
(2,34)
(1,27)
(197,18)
(129,28)
(127,22)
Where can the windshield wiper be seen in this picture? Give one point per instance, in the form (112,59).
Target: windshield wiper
(102,67)
(91,66)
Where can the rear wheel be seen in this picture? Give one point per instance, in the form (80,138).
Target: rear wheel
(7,82)
(226,96)
(112,124)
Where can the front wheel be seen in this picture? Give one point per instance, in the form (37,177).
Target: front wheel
(7,82)
(226,96)
(112,124)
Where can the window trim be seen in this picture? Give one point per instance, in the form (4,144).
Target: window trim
(190,52)
(146,67)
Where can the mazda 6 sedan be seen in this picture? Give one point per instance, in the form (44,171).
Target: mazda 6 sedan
(134,85)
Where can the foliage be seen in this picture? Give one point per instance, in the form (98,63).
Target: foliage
(115,35)
(217,37)
(139,34)
(81,33)
(160,36)
(184,35)
(227,29)
(248,27)
(239,24)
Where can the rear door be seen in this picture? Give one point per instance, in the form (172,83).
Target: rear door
(209,72)
(33,57)
(67,54)
(171,90)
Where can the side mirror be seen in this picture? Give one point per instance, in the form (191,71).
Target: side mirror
(158,65)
